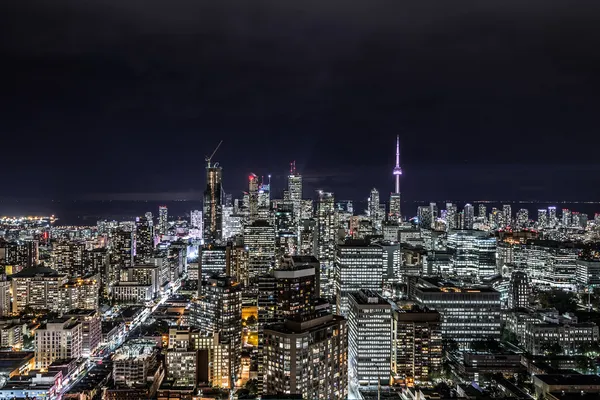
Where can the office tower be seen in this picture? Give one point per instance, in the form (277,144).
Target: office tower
(264,194)
(308,357)
(542,221)
(580,220)
(219,310)
(196,228)
(552,219)
(522,218)
(212,209)
(469,216)
(483,212)
(373,208)
(122,251)
(163,220)
(451,216)
(144,239)
(566,217)
(295,191)
(395,198)
(369,338)
(473,253)
(358,265)
(417,348)
(259,239)
(286,230)
(468,313)
(308,238)
(297,283)
(212,261)
(326,240)
(67,258)
(433,211)
(424,217)
(36,287)
(60,339)
(395,208)
(518,290)
(252,198)
(91,329)
(507,214)
(237,263)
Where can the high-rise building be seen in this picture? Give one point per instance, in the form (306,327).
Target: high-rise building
(424,216)
(358,265)
(451,216)
(36,287)
(373,210)
(196,229)
(507,214)
(552,219)
(566,217)
(468,313)
(522,218)
(259,239)
(473,253)
(518,290)
(122,251)
(417,348)
(60,339)
(307,356)
(163,220)
(433,211)
(219,310)
(369,338)
(542,221)
(144,236)
(469,216)
(91,329)
(483,212)
(212,261)
(67,257)
(395,208)
(212,210)
(326,240)
(295,191)
(252,198)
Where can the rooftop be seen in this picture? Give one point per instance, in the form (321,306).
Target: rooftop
(38,270)
(569,380)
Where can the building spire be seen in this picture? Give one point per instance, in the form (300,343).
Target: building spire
(397,170)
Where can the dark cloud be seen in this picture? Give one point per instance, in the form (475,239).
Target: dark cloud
(128,96)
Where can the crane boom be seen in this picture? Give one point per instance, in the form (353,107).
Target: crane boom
(208,159)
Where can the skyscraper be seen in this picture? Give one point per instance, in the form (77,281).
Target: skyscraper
(542,221)
(144,245)
(326,240)
(196,224)
(507,213)
(369,338)
(252,197)
(518,290)
(469,216)
(163,215)
(213,204)
(482,212)
(295,191)
(374,210)
(395,207)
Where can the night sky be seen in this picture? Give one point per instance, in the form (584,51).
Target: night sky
(493,99)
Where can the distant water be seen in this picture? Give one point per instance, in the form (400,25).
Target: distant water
(88,212)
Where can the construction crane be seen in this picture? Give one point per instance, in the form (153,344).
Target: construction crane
(208,159)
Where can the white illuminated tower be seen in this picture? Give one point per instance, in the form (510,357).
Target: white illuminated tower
(163,214)
(395,210)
